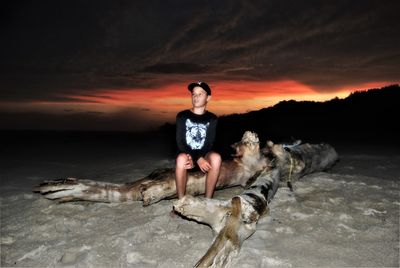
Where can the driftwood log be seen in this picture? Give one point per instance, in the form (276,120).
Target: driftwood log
(261,171)
(235,220)
(160,184)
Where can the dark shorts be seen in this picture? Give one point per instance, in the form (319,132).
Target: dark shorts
(195,168)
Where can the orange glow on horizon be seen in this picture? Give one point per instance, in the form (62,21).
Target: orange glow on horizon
(161,104)
(227,96)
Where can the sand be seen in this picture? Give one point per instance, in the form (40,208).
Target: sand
(348,217)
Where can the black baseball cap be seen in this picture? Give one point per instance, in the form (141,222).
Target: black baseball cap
(201,84)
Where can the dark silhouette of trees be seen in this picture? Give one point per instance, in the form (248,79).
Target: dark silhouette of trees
(364,116)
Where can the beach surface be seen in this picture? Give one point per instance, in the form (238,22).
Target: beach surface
(347,217)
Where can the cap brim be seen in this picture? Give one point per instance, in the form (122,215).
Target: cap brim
(191,86)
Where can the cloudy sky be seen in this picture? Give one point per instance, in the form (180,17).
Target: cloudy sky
(125,65)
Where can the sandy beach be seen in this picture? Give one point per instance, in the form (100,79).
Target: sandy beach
(347,217)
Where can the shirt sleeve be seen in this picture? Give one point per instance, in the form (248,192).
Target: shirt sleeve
(181,134)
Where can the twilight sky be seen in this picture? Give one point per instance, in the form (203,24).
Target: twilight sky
(125,65)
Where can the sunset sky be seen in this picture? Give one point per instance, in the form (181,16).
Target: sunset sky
(125,65)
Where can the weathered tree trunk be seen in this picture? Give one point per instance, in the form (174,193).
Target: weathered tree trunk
(160,184)
(235,221)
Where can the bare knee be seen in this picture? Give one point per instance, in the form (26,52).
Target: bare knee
(215,159)
(181,160)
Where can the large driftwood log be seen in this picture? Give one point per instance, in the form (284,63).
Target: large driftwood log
(235,220)
(160,184)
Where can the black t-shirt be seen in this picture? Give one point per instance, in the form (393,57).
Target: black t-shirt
(195,134)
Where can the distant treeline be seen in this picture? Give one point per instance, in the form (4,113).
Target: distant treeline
(364,116)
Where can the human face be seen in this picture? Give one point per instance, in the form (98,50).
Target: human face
(199,97)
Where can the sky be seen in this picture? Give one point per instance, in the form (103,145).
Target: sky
(125,65)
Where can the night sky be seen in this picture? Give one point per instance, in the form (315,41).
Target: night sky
(125,65)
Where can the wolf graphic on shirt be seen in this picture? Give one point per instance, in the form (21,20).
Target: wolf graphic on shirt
(196,134)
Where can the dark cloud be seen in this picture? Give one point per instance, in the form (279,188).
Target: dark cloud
(176,68)
(53,49)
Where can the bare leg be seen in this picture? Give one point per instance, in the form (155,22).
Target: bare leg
(212,175)
(181,174)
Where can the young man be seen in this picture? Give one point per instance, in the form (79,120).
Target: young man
(195,135)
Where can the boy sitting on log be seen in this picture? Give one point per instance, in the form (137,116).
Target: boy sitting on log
(195,135)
